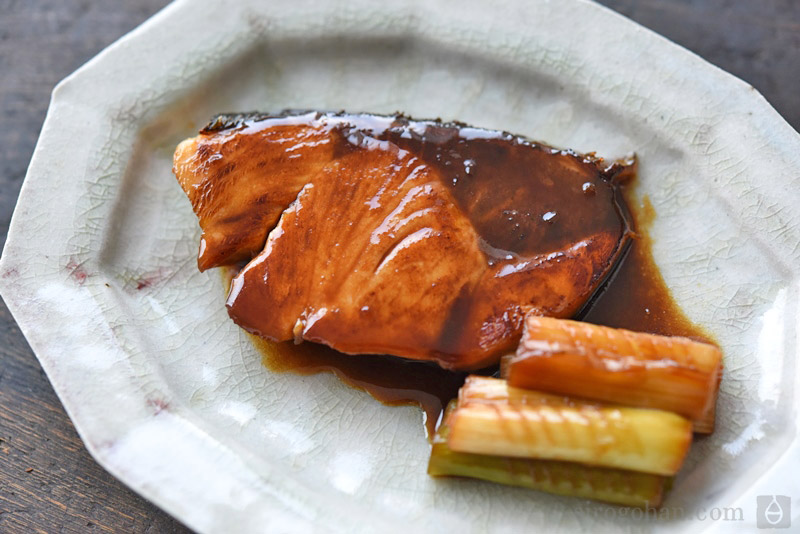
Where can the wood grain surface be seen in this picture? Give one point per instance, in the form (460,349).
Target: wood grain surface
(48,482)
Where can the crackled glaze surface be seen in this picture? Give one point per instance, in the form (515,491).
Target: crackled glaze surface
(169,395)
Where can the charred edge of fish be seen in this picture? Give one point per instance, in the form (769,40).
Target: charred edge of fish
(231,120)
(618,171)
(234,120)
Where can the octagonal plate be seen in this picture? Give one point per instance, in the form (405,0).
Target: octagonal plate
(168,395)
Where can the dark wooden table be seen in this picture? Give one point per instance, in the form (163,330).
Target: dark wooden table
(48,482)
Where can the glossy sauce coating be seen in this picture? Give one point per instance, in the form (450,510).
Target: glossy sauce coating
(420,239)
(522,197)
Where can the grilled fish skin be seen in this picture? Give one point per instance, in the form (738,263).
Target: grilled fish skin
(381,234)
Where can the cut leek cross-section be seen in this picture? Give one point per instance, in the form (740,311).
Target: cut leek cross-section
(561,478)
(543,426)
(615,365)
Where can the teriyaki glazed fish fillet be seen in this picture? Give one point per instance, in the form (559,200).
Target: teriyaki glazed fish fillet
(386,235)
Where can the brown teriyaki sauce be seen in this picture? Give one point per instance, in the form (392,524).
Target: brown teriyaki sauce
(634,297)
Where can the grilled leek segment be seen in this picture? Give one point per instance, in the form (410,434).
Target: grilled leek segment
(561,478)
(618,366)
(485,389)
(549,427)
(705,425)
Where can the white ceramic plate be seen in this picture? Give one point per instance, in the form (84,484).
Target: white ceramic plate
(169,395)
